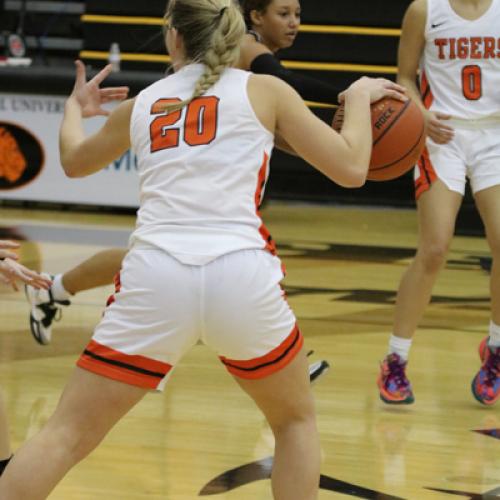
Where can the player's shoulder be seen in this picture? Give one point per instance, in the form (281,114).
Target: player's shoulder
(415,16)
(417,8)
(250,49)
(269,83)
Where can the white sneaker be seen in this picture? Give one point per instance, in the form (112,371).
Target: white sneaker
(317,370)
(44,310)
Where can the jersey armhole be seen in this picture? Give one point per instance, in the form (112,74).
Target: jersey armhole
(250,107)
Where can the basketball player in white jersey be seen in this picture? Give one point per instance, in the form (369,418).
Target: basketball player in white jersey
(201,265)
(456,46)
(12,271)
(272,25)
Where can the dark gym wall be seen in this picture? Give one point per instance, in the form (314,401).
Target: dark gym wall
(366,44)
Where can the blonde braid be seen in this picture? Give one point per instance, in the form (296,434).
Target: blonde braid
(220,51)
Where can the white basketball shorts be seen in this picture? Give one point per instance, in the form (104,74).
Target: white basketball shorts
(473,153)
(161,308)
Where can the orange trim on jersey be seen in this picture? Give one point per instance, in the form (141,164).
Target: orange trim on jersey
(261,184)
(427,174)
(130,369)
(118,287)
(425,91)
(272,362)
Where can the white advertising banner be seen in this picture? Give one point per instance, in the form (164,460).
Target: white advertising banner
(29,158)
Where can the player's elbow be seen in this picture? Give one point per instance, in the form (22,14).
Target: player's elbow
(352,175)
(71,166)
(356,178)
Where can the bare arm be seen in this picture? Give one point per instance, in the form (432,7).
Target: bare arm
(411,47)
(81,155)
(344,157)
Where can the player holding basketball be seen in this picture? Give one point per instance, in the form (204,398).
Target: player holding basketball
(203,137)
(272,25)
(455,43)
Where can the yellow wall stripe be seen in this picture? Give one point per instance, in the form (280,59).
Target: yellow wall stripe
(312,66)
(305,28)
(125,56)
(349,30)
(93,18)
(361,68)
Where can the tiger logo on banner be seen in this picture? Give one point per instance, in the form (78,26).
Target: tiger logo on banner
(21,156)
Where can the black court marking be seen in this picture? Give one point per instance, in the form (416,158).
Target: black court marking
(489,495)
(372,296)
(261,469)
(494,433)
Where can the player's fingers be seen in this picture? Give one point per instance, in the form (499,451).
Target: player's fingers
(114,91)
(395,94)
(102,75)
(9,244)
(81,77)
(395,86)
(6,254)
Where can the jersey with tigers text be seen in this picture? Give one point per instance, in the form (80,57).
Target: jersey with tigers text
(460,66)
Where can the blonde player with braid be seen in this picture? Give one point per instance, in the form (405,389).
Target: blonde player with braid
(202,265)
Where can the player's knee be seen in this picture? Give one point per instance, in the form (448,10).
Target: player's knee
(294,416)
(433,257)
(301,424)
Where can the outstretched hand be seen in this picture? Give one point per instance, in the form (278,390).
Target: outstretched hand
(12,271)
(90,96)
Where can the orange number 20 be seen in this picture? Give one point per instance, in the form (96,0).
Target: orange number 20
(200,123)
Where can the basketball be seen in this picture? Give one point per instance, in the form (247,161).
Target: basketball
(398,130)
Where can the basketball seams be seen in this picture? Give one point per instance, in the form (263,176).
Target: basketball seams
(395,119)
(412,150)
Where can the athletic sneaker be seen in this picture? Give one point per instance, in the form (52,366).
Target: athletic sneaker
(393,385)
(486,384)
(317,370)
(44,310)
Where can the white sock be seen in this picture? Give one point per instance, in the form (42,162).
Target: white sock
(400,346)
(58,290)
(494,340)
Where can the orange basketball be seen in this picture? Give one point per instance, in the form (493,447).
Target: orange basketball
(398,130)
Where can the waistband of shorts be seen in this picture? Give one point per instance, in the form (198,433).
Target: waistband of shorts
(476,123)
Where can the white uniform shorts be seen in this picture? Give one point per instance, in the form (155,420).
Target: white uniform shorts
(161,308)
(473,153)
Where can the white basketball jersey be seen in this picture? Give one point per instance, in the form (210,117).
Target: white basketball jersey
(460,67)
(202,169)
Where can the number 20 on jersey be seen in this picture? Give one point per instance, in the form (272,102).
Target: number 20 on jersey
(196,122)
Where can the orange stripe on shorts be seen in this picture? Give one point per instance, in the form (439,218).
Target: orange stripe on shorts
(131,369)
(270,363)
(427,174)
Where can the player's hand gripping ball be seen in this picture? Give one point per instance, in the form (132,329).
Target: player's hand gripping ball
(398,130)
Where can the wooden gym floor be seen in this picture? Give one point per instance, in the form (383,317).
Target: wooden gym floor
(204,437)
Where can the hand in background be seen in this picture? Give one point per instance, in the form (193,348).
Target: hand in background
(90,96)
